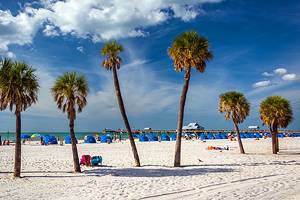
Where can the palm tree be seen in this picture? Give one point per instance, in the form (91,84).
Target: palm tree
(188,50)
(236,107)
(275,112)
(70,92)
(112,61)
(18,91)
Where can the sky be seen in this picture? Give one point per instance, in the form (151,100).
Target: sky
(256,47)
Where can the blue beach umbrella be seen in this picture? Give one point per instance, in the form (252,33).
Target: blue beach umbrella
(25,136)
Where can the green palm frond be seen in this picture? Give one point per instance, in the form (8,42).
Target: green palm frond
(190,50)
(70,92)
(234,105)
(276,110)
(111,51)
(18,86)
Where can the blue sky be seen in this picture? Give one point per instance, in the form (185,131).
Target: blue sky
(256,48)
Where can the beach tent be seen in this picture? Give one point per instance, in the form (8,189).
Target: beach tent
(224,135)
(105,139)
(210,136)
(89,139)
(203,136)
(143,138)
(25,136)
(258,135)
(218,136)
(173,136)
(280,135)
(49,139)
(165,137)
(152,138)
(68,140)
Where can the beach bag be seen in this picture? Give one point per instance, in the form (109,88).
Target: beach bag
(96,160)
(85,160)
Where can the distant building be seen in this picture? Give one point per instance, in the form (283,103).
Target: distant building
(253,127)
(193,126)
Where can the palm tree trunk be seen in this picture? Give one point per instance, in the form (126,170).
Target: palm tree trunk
(124,116)
(185,88)
(276,138)
(74,146)
(17,167)
(239,138)
(273,139)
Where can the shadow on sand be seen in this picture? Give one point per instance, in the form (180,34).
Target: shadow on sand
(124,172)
(155,172)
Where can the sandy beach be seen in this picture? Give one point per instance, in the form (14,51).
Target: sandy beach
(47,172)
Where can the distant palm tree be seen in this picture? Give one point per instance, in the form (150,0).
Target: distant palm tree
(188,50)
(276,112)
(18,91)
(70,92)
(112,61)
(236,107)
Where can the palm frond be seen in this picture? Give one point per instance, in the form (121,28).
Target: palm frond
(70,91)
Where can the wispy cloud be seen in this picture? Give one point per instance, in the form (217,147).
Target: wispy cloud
(280,71)
(262,84)
(290,77)
(80,49)
(267,74)
(278,77)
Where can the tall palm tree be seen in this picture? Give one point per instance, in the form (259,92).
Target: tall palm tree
(70,92)
(112,61)
(188,50)
(275,112)
(18,91)
(236,108)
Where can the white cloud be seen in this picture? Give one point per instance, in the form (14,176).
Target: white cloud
(81,49)
(94,19)
(280,71)
(19,29)
(267,74)
(262,84)
(50,31)
(289,77)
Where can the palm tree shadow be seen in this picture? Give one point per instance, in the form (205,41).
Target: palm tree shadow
(155,172)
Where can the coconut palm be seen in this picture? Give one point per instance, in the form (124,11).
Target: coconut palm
(188,50)
(112,61)
(275,112)
(18,91)
(236,107)
(70,91)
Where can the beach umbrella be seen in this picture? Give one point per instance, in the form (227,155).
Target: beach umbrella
(35,135)
(96,134)
(25,136)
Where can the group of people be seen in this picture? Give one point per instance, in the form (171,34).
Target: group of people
(5,142)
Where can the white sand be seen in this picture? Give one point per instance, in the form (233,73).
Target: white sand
(221,175)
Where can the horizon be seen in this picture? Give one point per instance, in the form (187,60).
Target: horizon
(255,46)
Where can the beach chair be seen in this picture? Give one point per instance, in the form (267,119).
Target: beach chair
(96,160)
(85,160)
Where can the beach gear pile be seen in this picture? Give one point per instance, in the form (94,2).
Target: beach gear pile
(87,160)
